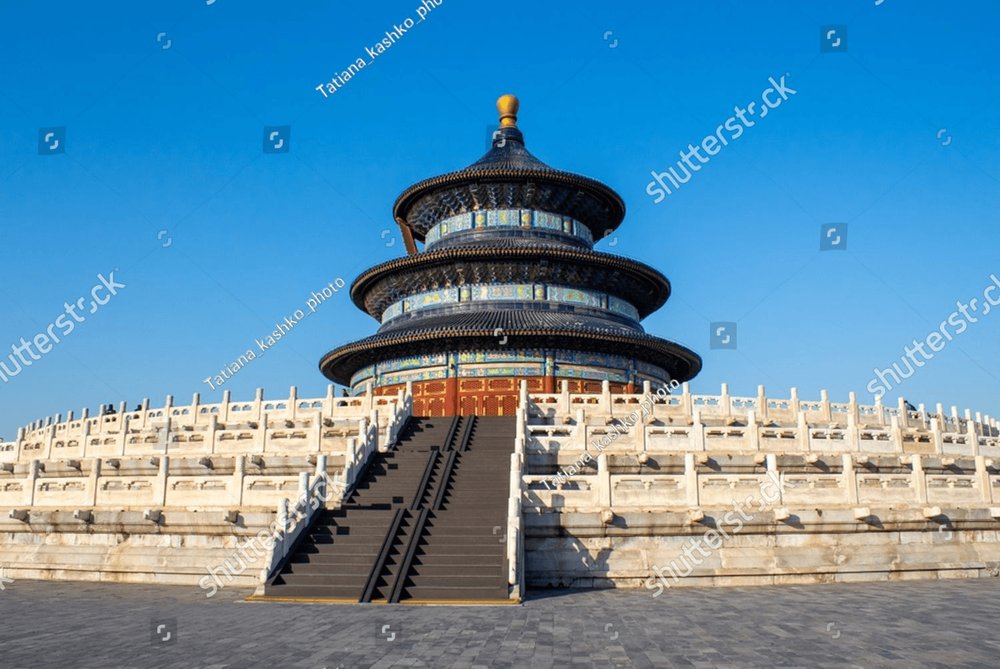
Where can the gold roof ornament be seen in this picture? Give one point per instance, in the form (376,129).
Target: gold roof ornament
(507,105)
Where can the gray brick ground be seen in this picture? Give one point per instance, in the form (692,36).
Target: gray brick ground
(909,624)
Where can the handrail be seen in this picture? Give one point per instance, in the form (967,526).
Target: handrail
(446,444)
(463,442)
(383,555)
(443,481)
(411,551)
(418,496)
(308,509)
(515,521)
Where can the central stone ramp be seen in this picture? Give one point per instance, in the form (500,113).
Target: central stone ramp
(462,553)
(337,558)
(426,522)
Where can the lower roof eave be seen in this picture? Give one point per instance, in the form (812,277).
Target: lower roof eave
(340,364)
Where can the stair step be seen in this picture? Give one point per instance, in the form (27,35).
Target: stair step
(421,570)
(456,593)
(458,562)
(314,592)
(449,536)
(461,553)
(321,580)
(460,580)
(470,550)
(332,560)
(460,525)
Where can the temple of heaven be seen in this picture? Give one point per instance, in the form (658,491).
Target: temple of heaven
(507,288)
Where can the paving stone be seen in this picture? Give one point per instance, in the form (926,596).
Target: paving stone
(891,625)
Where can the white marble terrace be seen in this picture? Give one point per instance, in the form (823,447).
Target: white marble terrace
(685,451)
(228,454)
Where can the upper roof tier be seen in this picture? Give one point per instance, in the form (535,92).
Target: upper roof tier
(509,177)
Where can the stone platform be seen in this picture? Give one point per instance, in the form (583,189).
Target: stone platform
(914,624)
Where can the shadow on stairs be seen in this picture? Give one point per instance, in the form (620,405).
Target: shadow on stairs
(425,523)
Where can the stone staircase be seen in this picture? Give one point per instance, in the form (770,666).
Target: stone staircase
(425,523)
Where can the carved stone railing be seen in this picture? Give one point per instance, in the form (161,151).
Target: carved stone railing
(157,482)
(685,422)
(295,516)
(688,481)
(515,521)
(178,477)
(288,425)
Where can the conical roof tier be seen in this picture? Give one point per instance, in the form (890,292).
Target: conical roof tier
(508,287)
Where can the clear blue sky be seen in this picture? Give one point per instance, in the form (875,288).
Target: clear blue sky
(171,139)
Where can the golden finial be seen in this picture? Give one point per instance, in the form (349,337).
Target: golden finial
(507,106)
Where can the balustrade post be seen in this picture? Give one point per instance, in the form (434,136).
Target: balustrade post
(283,524)
(849,479)
(350,455)
(94,481)
(972,437)
(302,501)
(852,408)
(317,431)
(853,433)
(805,438)
(32,482)
(19,444)
(919,478)
(697,431)
(902,413)
(983,479)
(161,481)
(322,480)
(237,483)
(771,464)
(936,435)
(603,482)
(258,406)
(752,433)
(691,481)
(824,406)
(293,403)
(564,401)
(123,421)
(897,433)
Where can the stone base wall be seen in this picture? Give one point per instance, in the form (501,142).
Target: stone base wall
(176,493)
(183,549)
(655,490)
(578,550)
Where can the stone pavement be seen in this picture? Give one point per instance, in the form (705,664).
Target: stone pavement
(901,624)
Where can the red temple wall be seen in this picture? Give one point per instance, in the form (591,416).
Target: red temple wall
(486,396)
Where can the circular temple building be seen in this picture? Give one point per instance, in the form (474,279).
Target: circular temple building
(508,287)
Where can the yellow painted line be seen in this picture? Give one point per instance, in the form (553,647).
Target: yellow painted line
(461,602)
(302,600)
(381,602)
